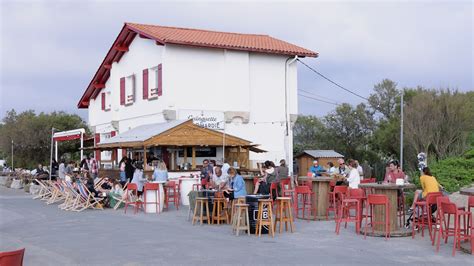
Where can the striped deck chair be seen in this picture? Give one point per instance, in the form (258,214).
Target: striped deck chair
(71,196)
(120,200)
(45,191)
(98,182)
(58,194)
(87,200)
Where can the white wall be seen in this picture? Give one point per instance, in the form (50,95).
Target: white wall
(206,79)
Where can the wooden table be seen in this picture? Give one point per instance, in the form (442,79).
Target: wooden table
(391,191)
(321,188)
(467,191)
(466,246)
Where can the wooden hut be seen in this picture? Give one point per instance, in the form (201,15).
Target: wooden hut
(306,158)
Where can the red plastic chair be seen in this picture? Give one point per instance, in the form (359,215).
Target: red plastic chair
(439,229)
(133,190)
(12,258)
(335,200)
(354,200)
(431,201)
(449,209)
(288,191)
(306,196)
(171,194)
(378,200)
(152,187)
(273,188)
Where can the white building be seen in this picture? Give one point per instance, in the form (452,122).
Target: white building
(245,84)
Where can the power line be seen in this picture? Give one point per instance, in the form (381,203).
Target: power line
(328,79)
(316,99)
(320,96)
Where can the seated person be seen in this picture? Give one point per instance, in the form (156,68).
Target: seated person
(90,186)
(331,168)
(139,179)
(316,169)
(268,176)
(161,172)
(237,185)
(428,184)
(106,186)
(219,180)
(393,172)
(116,192)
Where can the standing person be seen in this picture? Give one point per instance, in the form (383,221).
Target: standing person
(206,170)
(393,172)
(93,167)
(161,172)
(54,168)
(225,167)
(70,168)
(62,170)
(123,176)
(129,169)
(283,171)
(354,177)
(139,179)
(84,165)
(268,176)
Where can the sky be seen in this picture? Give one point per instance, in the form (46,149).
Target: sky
(50,50)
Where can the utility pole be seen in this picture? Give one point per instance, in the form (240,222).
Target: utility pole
(13,167)
(401,130)
(51,154)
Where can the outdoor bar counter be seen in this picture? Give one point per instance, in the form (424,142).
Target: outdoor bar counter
(320,186)
(391,191)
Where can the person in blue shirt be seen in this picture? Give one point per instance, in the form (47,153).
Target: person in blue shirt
(316,169)
(236,186)
(161,172)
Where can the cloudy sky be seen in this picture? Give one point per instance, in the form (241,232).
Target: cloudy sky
(51,49)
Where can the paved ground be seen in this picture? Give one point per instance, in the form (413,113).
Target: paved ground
(55,237)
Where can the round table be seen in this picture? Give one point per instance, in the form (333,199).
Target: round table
(320,186)
(391,191)
(151,196)
(467,191)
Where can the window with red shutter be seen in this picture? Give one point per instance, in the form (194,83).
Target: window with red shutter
(102,95)
(145,84)
(160,80)
(122,91)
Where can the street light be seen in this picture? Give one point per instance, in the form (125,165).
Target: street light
(13,167)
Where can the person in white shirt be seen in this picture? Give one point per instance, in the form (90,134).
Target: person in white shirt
(219,180)
(139,179)
(354,177)
(331,168)
(225,169)
(62,170)
(360,170)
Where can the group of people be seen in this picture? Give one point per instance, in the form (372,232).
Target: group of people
(223,178)
(351,172)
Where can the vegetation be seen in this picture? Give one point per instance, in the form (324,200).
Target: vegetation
(438,122)
(31,136)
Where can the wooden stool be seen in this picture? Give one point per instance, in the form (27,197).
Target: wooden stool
(261,220)
(218,208)
(233,211)
(284,213)
(200,201)
(242,222)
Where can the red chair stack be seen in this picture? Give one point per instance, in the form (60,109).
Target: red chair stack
(306,196)
(378,200)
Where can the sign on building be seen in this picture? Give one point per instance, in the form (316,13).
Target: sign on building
(206,119)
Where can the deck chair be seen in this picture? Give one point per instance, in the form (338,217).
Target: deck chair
(87,200)
(58,194)
(71,195)
(45,191)
(99,182)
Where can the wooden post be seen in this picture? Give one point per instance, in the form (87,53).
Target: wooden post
(238,157)
(144,158)
(194,158)
(185,155)
(173,162)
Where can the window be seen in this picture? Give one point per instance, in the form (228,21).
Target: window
(200,152)
(105,101)
(153,81)
(129,89)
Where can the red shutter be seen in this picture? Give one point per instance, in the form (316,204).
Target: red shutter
(145,84)
(122,91)
(102,95)
(160,80)
(97,140)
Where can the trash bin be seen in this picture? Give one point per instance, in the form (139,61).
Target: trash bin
(252,201)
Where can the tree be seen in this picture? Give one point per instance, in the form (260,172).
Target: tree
(309,133)
(31,135)
(385,99)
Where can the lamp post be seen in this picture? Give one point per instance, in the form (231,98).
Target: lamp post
(13,167)
(401,131)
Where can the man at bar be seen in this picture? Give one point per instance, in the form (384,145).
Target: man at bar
(219,180)
(316,169)
(206,170)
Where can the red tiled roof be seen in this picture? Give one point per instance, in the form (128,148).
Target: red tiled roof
(216,39)
(190,37)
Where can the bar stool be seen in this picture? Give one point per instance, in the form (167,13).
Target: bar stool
(354,200)
(420,218)
(284,214)
(155,187)
(219,211)
(171,194)
(242,218)
(288,191)
(306,200)
(335,200)
(262,219)
(233,211)
(201,202)
(382,201)
(454,229)
(196,187)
